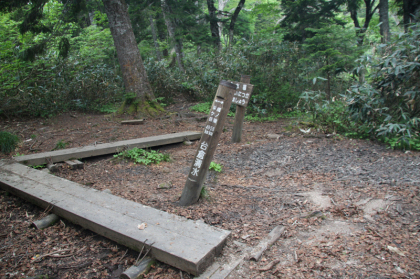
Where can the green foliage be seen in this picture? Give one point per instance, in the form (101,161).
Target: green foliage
(8,142)
(215,167)
(162,101)
(299,15)
(330,51)
(330,116)
(108,108)
(85,80)
(60,145)
(39,166)
(273,116)
(141,156)
(390,108)
(204,193)
(202,107)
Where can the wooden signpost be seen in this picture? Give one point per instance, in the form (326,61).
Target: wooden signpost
(241,99)
(208,143)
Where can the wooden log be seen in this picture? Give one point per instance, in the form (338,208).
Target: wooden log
(45,222)
(239,116)
(133,122)
(272,237)
(208,143)
(52,167)
(105,148)
(135,271)
(74,164)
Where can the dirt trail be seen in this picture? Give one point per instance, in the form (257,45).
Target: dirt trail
(351,208)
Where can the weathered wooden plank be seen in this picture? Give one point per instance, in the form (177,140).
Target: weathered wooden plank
(133,122)
(105,148)
(185,244)
(74,164)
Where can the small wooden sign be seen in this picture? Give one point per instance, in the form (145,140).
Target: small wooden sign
(242,94)
(241,98)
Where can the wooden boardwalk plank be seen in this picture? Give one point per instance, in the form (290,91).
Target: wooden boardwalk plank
(104,148)
(185,244)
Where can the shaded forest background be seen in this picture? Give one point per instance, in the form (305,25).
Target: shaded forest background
(347,66)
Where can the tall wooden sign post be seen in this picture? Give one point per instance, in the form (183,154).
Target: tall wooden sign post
(241,99)
(208,143)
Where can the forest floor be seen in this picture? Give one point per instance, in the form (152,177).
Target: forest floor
(350,208)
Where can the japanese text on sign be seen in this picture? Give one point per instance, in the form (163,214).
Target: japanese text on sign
(199,158)
(214,114)
(242,94)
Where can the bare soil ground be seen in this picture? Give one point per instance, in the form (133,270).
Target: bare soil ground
(350,208)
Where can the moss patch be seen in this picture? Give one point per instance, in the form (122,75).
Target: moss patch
(140,108)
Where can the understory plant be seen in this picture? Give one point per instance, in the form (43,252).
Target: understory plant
(142,156)
(215,167)
(387,107)
(8,142)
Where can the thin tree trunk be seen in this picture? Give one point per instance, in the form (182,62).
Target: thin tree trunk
(129,58)
(162,32)
(171,30)
(369,11)
(384,19)
(154,35)
(214,27)
(328,86)
(233,21)
(221,7)
(406,14)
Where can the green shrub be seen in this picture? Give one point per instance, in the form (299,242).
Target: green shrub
(141,156)
(215,167)
(8,142)
(60,145)
(202,107)
(389,107)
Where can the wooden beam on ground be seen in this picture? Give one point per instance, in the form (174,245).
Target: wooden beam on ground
(105,148)
(74,164)
(272,237)
(133,122)
(185,244)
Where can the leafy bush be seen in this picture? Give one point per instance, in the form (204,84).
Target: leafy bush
(141,156)
(60,145)
(389,109)
(202,107)
(331,116)
(215,167)
(8,142)
(85,80)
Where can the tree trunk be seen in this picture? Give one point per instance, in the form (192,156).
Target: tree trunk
(411,12)
(233,21)
(369,11)
(221,7)
(328,86)
(384,19)
(162,32)
(132,68)
(214,27)
(154,35)
(171,30)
